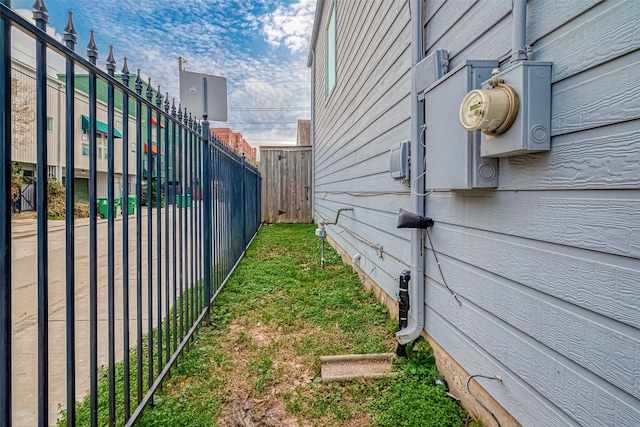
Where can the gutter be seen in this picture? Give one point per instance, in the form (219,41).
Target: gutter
(316,29)
(312,52)
(416,311)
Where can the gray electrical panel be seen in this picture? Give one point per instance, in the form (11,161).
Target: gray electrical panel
(453,160)
(531,130)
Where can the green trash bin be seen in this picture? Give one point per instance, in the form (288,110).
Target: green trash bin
(183,201)
(131,205)
(103,207)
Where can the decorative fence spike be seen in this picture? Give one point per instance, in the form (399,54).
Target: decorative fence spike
(139,83)
(149,91)
(40,14)
(70,33)
(92,49)
(125,73)
(166,103)
(158,98)
(173,108)
(111,62)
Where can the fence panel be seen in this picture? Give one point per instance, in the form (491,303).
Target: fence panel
(124,289)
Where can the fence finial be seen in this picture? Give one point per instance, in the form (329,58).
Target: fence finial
(180,112)
(186,118)
(111,62)
(70,33)
(173,108)
(40,14)
(125,73)
(92,49)
(138,83)
(166,103)
(158,98)
(149,91)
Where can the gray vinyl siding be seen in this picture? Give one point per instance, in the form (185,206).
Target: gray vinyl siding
(548,265)
(367,111)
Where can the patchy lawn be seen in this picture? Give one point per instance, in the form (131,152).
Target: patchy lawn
(258,362)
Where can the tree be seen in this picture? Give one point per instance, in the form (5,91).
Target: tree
(23,111)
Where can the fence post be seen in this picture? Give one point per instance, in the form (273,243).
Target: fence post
(244,203)
(208,232)
(41,17)
(5,219)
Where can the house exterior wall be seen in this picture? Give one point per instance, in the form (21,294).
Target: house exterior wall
(547,265)
(367,110)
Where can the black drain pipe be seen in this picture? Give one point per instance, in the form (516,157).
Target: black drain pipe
(403,308)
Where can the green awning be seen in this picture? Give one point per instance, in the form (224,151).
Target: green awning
(100,127)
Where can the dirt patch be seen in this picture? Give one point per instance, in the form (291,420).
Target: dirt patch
(243,410)
(246,405)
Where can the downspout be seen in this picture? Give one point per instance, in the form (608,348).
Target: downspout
(519,22)
(416,310)
(313,133)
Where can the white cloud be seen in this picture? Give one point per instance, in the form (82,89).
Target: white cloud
(290,25)
(258,77)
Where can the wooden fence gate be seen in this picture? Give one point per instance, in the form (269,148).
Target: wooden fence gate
(286,184)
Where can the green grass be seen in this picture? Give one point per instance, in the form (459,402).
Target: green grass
(259,357)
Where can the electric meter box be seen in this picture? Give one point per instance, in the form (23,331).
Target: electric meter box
(452,153)
(531,130)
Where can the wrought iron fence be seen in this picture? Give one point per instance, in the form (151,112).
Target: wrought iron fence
(115,293)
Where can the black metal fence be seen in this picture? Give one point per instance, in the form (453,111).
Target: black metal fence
(122,294)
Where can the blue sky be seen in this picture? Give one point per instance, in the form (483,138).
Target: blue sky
(260,46)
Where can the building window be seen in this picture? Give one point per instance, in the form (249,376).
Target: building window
(101,145)
(133,147)
(102,151)
(50,123)
(331,50)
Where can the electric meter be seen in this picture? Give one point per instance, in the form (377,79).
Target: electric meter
(491,111)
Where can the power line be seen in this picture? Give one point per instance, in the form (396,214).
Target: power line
(271,109)
(266,139)
(259,123)
(226,36)
(135,10)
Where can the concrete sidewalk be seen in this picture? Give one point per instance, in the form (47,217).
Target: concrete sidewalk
(24,304)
